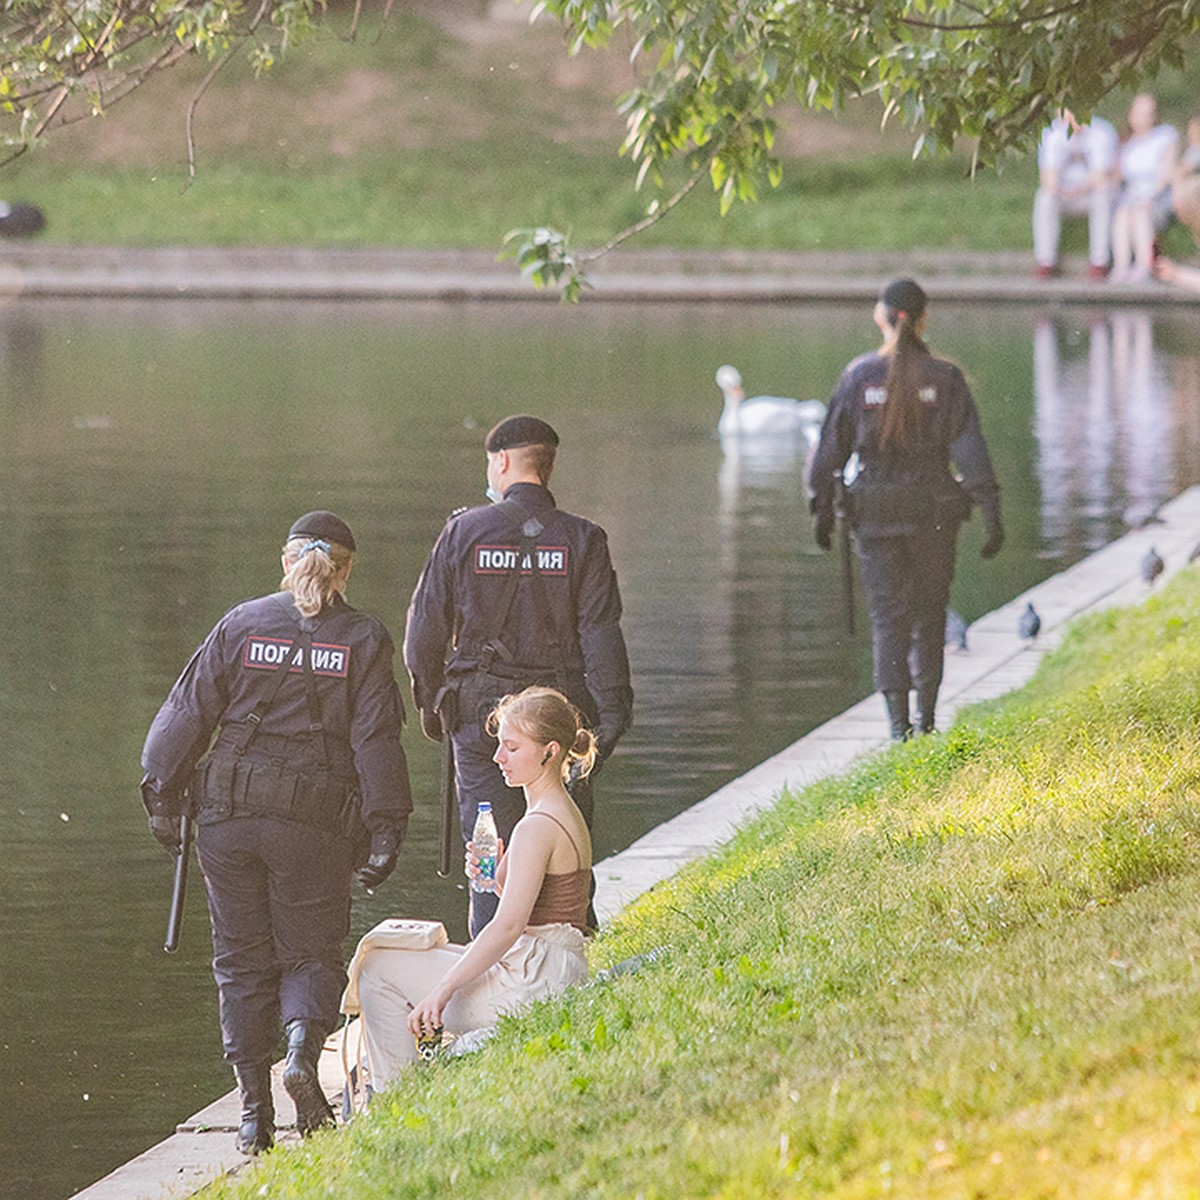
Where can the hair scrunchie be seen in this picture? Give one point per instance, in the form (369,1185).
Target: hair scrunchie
(315,544)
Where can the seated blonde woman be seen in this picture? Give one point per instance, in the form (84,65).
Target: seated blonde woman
(534,946)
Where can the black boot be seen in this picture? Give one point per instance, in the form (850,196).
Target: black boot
(926,703)
(313,1110)
(897,710)
(257,1130)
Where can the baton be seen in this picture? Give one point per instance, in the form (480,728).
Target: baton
(180,887)
(447,709)
(843,516)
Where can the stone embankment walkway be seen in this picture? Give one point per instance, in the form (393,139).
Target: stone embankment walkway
(43,269)
(997,660)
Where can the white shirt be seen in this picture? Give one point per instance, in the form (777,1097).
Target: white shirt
(1077,156)
(1143,159)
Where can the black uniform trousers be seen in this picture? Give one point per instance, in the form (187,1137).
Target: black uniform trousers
(279,900)
(478,778)
(907,579)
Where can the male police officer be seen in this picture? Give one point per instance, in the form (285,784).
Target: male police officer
(515,593)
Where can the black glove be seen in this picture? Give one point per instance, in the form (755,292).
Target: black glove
(823,527)
(431,724)
(167,833)
(993,525)
(993,528)
(384,848)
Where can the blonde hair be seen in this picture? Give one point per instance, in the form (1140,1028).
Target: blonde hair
(545,715)
(316,572)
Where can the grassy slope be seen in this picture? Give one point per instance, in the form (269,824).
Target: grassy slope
(418,135)
(968,969)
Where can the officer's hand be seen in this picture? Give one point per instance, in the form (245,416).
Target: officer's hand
(431,724)
(995,539)
(384,848)
(823,528)
(167,833)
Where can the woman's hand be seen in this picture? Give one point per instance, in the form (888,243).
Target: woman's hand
(471,859)
(426,1019)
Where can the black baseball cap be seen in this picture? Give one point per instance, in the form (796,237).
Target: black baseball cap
(904,295)
(514,432)
(325,525)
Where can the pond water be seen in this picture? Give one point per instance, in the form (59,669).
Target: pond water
(153,456)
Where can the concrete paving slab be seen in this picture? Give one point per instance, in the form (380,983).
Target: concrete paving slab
(998,661)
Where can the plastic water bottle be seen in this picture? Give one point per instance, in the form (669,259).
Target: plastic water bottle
(486,843)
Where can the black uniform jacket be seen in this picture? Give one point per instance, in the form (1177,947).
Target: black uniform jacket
(898,490)
(359,701)
(453,609)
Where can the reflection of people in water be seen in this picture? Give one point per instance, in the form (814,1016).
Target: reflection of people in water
(1103,424)
(1142,396)
(1074,429)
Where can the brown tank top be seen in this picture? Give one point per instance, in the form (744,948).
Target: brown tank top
(563,898)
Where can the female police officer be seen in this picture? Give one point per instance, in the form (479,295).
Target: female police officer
(906,416)
(304,779)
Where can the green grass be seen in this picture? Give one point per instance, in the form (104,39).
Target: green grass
(412,137)
(967,969)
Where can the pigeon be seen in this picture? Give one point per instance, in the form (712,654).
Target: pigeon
(1030,623)
(1152,566)
(956,632)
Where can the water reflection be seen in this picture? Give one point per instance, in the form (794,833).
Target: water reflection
(1108,421)
(153,455)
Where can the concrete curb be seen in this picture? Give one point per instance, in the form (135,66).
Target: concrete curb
(47,270)
(997,661)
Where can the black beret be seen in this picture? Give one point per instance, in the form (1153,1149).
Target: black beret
(514,432)
(905,295)
(325,525)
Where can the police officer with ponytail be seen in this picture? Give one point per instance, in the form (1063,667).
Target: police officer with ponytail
(907,423)
(282,739)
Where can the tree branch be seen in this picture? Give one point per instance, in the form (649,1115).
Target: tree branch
(213,72)
(650,219)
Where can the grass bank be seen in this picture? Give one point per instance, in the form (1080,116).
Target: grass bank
(969,968)
(441,128)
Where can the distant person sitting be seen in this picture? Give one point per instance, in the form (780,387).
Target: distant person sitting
(1185,187)
(1146,164)
(1170,271)
(1076,165)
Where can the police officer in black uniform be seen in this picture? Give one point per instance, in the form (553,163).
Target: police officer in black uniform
(906,417)
(282,737)
(516,592)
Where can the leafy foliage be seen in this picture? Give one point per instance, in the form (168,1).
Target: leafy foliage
(66,60)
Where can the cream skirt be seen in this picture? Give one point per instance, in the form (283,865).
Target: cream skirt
(544,961)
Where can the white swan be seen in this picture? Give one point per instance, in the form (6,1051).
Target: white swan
(759,415)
